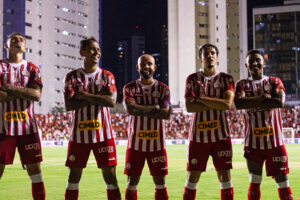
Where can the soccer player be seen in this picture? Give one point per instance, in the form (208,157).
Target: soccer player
(89,91)
(208,95)
(20,86)
(147,102)
(262,97)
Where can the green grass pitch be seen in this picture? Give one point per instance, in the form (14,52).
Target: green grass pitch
(15,183)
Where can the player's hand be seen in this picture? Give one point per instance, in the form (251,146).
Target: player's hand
(267,96)
(130,101)
(81,95)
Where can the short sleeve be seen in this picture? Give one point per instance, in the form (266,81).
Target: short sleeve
(110,84)
(35,76)
(278,84)
(239,88)
(166,96)
(126,93)
(68,86)
(189,88)
(229,83)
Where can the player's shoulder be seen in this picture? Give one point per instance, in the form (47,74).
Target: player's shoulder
(162,85)
(106,72)
(226,75)
(73,72)
(274,79)
(131,84)
(243,80)
(193,75)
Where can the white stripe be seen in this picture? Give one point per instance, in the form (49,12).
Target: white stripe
(161,132)
(205,140)
(107,123)
(136,144)
(197,133)
(151,146)
(145,127)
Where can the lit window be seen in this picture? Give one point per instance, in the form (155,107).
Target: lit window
(65,32)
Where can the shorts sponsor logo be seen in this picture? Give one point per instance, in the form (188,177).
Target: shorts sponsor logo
(34,146)
(208,125)
(226,153)
(194,161)
(108,149)
(113,158)
(89,125)
(282,159)
(72,158)
(15,116)
(264,131)
(148,134)
(161,159)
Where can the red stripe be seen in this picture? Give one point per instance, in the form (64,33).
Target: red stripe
(103,124)
(209,131)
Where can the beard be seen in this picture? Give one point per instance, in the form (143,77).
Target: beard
(147,75)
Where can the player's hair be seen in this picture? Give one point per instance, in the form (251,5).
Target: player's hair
(10,36)
(254,51)
(208,45)
(84,43)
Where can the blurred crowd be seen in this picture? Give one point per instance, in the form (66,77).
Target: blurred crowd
(57,126)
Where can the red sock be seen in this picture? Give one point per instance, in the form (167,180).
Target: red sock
(130,194)
(227,194)
(113,194)
(254,191)
(71,194)
(161,194)
(285,193)
(38,191)
(189,194)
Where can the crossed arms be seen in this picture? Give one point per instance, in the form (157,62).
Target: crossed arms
(10,92)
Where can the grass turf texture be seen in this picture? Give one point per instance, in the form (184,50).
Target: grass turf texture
(15,183)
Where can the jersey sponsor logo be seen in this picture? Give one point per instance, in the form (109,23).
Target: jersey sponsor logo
(208,125)
(89,125)
(15,116)
(161,159)
(108,149)
(34,146)
(148,134)
(264,131)
(282,159)
(226,153)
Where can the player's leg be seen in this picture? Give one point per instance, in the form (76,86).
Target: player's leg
(158,165)
(190,188)
(255,178)
(77,158)
(2,167)
(106,157)
(131,188)
(134,165)
(222,159)
(198,154)
(36,178)
(277,167)
(110,178)
(29,147)
(225,184)
(72,188)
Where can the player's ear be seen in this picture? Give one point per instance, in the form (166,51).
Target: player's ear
(137,67)
(81,52)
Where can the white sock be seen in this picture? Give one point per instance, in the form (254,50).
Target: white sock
(72,186)
(111,186)
(160,187)
(226,185)
(36,178)
(253,178)
(131,187)
(191,186)
(284,184)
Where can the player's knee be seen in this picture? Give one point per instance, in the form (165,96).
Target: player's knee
(75,175)
(193,176)
(33,168)
(224,175)
(159,180)
(281,178)
(133,180)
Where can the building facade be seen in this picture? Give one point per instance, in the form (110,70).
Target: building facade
(194,23)
(276,33)
(53,30)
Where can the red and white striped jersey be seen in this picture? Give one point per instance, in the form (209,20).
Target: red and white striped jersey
(17,116)
(92,123)
(145,133)
(210,125)
(263,128)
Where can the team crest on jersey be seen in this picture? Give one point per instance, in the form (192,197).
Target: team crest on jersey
(268,88)
(148,134)
(156,94)
(137,92)
(263,131)
(25,73)
(218,84)
(89,125)
(208,125)
(15,116)
(99,82)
